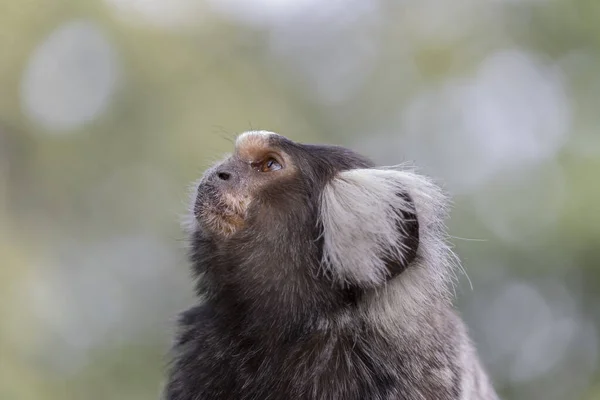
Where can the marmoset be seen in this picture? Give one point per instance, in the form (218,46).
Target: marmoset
(320,276)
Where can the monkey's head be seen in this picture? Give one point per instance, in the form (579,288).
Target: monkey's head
(295,228)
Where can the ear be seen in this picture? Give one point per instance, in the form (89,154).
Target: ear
(371,224)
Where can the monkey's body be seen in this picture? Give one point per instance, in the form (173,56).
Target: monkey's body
(323,279)
(353,363)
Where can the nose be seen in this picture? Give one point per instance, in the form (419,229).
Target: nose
(226,173)
(223,175)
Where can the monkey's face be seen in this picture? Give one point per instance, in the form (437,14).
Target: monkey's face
(227,191)
(294,219)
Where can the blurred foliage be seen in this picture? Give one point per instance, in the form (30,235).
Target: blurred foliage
(109,111)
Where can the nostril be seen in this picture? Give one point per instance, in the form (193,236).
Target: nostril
(224,176)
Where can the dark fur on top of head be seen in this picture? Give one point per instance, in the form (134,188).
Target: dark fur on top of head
(326,278)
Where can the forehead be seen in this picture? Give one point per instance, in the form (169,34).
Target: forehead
(253,144)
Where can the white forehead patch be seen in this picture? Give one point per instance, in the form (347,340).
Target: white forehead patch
(250,135)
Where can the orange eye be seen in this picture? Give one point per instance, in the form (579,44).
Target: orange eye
(270,165)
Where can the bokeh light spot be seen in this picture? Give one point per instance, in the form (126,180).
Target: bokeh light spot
(70,77)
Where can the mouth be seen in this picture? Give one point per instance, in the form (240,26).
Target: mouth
(222,214)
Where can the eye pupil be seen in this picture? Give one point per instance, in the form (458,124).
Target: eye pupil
(270,165)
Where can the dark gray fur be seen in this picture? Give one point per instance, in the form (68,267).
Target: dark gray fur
(275,323)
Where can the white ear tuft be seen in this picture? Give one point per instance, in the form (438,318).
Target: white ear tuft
(361,214)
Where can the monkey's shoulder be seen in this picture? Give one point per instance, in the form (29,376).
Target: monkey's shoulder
(214,363)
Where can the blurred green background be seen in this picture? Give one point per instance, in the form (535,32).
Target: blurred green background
(110,108)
